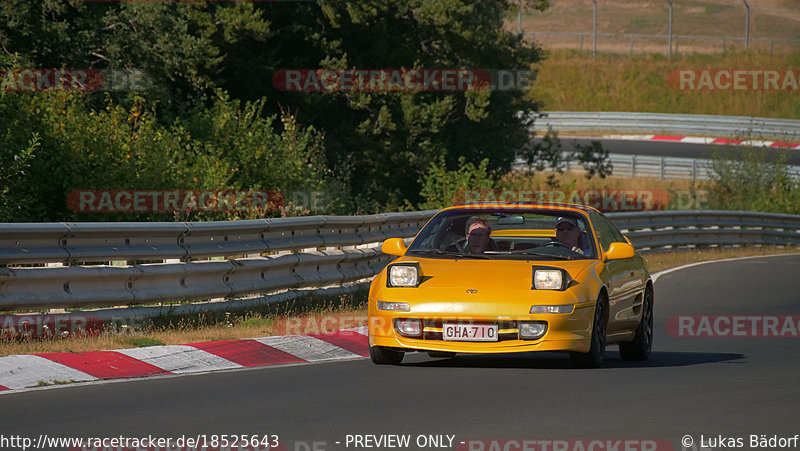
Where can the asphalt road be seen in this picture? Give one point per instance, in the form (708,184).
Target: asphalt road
(665,149)
(729,386)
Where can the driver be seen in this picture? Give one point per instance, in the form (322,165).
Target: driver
(568,232)
(478,240)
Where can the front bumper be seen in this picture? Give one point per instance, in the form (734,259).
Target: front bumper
(565,332)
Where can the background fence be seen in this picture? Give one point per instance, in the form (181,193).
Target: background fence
(228,260)
(663,26)
(654,43)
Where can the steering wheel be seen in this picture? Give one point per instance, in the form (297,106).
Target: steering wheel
(557,243)
(459,244)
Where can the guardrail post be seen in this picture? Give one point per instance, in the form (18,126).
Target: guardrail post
(594,30)
(669,2)
(747,26)
(694,170)
(519,17)
(633,167)
(663,167)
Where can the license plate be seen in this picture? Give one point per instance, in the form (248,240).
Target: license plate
(469,332)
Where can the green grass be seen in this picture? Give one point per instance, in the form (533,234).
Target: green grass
(256,321)
(573,81)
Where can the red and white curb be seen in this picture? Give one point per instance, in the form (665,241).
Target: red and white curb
(701,140)
(19,372)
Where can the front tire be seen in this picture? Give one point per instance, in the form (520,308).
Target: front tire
(642,344)
(596,355)
(385,356)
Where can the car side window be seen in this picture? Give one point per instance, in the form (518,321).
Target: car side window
(607,232)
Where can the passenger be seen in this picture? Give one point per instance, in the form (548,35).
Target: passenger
(568,232)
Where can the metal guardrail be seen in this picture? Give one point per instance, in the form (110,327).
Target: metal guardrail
(68,243)
(664,168)
(237,258)
(317,251)
(682,124)
(657,230)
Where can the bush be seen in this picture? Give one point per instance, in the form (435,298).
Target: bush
(442,187)
(63,145)
(753,179)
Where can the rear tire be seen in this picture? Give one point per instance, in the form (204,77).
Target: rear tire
(385,356)
(642,344)
(596,355)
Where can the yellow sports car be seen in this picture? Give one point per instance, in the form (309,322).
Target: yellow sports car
(500,278)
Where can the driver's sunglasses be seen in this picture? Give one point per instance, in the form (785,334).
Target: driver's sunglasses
(567,227)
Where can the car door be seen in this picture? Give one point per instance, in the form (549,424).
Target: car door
(625,285)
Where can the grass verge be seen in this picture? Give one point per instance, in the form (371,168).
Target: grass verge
(573,81)
(301,316)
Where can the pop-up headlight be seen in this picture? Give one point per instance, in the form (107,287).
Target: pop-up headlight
(402,275)
(545,278)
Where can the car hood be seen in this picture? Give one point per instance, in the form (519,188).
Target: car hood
(477,273)
(483,288)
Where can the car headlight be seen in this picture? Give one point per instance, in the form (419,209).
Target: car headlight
(393,306)
(402,275)
(408,327)
(550,279)
(532,330)
(553,308)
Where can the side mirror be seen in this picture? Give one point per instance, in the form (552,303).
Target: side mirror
(394,246)
(618,251)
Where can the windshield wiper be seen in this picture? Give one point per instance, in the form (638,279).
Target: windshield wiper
(542,254)
(451,253)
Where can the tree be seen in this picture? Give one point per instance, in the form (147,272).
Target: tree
(380,144)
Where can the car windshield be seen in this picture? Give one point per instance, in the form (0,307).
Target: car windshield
(532,234)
